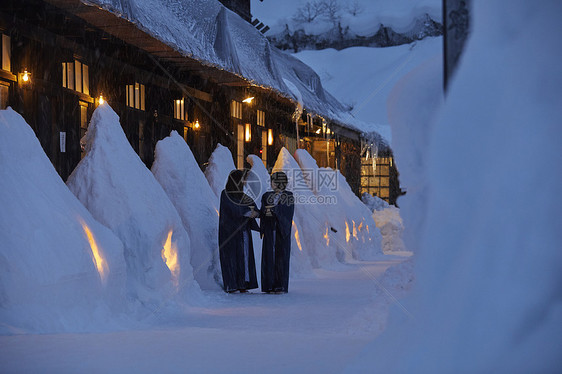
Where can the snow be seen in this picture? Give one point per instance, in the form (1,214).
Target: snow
(399,14)
(179,175)
(219,166)
(390,224)
(319,326)
(356,234)
(50,279)
(487,295)
(116,187)
(373,202)
(258,180)
(363,78)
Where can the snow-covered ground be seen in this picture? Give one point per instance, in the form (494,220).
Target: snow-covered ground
(316,328)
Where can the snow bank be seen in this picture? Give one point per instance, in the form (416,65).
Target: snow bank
(258,180)
(310,223)
(357,235)
(60,270)
(373,202)
(120,192)
(390,224)
(179,174)
(488,271)
(220,165)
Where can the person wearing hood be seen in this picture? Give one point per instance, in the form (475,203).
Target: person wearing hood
(236,220)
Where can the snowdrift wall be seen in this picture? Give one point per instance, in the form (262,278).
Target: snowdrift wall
(220,165)
(488,294)
(357,235)
(120,192)
(179,174)
(60,270)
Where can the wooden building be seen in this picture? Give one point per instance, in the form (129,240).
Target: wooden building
(61,58)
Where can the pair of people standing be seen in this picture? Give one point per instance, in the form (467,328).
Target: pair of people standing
(238,215)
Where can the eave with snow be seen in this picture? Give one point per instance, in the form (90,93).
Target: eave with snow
(207,58)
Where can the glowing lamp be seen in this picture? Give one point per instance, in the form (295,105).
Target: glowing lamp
(248,133)
(196,124)
(248,100)
(269,137)
(318,131)
(101,100)
(25,77)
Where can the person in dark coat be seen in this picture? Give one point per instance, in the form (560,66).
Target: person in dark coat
(236,220)
(276,217)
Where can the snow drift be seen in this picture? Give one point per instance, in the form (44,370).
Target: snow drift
(356,234)
(179,174)
(60,270)
(390,224)
(310,223)
(220,165)
(120,192)
(488,295)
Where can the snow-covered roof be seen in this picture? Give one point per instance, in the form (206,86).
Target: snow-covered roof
(207,31)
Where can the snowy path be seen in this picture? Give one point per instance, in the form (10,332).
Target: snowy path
(318,327)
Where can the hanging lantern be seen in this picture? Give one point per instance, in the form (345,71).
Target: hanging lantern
(270,137)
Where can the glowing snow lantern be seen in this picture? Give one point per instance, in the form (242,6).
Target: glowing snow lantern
(99,261)
(297,238)
(347,233)
(170,258)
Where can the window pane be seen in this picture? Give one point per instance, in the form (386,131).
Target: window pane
(6,53)
(240,146)
(64,84)
(136,95)
(70,75)
(4,91)
(78,75)
(142,97)
(85,80)
(264,147)
(131,101)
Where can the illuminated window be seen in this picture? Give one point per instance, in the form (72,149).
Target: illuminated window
(4,92)
(264,147)
(75,76)
(6,53)
(240,147)
(236,109)
(261,118)
(179,109)
(135,96)
(83,127)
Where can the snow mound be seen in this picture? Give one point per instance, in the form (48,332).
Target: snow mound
(488,271)
(179,174)
(356,234)
(373,202)
(120,192)
(310,223)
(390,224)
(220,165)
(60,270)
(258,180)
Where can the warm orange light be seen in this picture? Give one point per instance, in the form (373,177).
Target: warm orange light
(327,237)
(101,100)
(355,235)
(170,257)
(248,132)
(270,137)
(196,124)
(347,233)
(297,238)
(25,76)
(99,261)
(248,100)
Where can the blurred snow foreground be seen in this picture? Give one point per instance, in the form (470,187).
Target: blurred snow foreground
(488,294)
(119,240)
